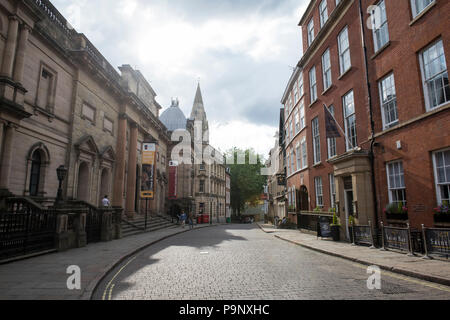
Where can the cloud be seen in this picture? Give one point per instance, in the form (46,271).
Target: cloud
(240,50)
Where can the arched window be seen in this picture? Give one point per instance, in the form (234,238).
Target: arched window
(35,173)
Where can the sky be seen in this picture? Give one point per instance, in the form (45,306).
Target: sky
(242,52)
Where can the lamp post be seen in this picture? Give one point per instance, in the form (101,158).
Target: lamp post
(61,173)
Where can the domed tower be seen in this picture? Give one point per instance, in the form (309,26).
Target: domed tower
(173,118)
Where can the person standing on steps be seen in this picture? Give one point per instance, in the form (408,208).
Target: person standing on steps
(105,202)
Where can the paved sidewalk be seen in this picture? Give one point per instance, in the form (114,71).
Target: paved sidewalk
(431,270)
(44,277)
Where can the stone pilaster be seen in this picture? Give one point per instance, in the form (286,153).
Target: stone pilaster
(10,48)
(6,157)
(131,176)
(119,177)
(20,58)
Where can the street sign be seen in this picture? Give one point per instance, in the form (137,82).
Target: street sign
(148,169)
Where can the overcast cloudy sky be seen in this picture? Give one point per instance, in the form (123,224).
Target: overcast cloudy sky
(242,51)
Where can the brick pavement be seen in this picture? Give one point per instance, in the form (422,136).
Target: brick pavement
(431,270)
(44,277)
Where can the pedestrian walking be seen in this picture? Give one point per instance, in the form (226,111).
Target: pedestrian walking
(183,218)
(191,220)
(105,202)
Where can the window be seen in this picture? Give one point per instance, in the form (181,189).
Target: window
(107,125)
(304,153)
(316,140)
(350,121)
(291,133)
(88,112)
(299,157)
(326,68)
(35,173)
(419,5)
(302,115)
(380,26)
(313,84)
(332,191)
(310,32)
(337,2)
(202,186)
(300,84)
(323,12)
(292,161)
(319,191)
(396,183)
(331,142)
(442,176)
(435,75)
(388,100)
(296,96)
(46,89)
(297,122)
(344,51)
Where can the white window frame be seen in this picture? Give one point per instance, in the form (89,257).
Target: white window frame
(315,128)
(313,84)
(415,9)
(304,148)
(302,115)
(347,121)
(332,190)
(297,121)
(396,188)
(323,12)
(319,191)
(343,52)
(435,75)
(298,156)
(326,70)
(310,30)
(300,85)
(439,196)
(388,103)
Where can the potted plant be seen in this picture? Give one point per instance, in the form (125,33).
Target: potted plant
(335,228)
(351,223)
(396,211)
(442,213)
(318,210)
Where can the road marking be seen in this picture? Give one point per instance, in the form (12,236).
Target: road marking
(113,278)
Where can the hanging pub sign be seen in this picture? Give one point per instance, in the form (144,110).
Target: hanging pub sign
(173,172)
(281,180)
(148,169)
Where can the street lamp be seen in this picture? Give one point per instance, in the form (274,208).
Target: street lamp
(61,173)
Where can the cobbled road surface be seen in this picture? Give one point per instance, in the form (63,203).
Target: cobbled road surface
(241,262)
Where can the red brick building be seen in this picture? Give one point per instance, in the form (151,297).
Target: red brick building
(381,67)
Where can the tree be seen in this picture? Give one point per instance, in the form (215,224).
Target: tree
(247,183)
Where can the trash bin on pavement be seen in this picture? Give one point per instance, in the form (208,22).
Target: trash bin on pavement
(205,218)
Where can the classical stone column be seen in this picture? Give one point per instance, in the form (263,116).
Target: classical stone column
(10,48)
(21,49)
(6,158)
(119,176)
(131,176)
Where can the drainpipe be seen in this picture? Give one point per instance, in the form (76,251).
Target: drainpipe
(372,123)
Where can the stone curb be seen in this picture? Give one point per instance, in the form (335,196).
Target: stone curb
(409,273)
(89,290)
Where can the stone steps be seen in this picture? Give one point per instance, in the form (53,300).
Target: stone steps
(137,225)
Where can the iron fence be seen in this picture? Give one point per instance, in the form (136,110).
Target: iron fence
(437,241)
(310,221)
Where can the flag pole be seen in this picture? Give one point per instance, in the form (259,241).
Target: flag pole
(343,132)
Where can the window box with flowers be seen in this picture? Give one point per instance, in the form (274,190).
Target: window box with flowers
(442,213)
(396,211)
(291,209)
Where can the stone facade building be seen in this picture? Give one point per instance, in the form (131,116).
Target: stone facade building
(62,103)
(201,185)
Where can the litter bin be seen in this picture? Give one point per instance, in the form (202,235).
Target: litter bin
(205,218)
(199,220)
(228,220)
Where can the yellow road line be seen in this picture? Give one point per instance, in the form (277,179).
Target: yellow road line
(115,276)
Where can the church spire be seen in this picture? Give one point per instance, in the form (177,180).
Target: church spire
(198,96)
(198,109)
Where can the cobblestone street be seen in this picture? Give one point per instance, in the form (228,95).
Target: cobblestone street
(241,262)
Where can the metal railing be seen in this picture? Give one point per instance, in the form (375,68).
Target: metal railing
(363,235)
(437,241)
(310,220)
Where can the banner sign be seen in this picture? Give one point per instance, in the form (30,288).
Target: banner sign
(396,238)
(362,235)
(148,169)
(438,241)
(173,179)
(324,228)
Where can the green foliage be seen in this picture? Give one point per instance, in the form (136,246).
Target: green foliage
(318,210)
(351,221)
(247,183)
(335,220)
(396,208)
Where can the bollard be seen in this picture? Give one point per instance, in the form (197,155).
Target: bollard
(371,236)
(411,253)
(426,257)
(383,248)
(353,234)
